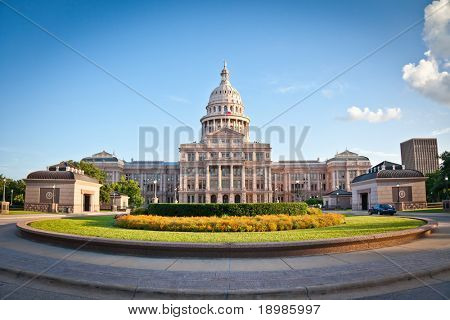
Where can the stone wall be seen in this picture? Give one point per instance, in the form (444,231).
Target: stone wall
(46,207)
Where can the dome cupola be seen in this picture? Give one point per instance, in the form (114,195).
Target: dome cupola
(225,108)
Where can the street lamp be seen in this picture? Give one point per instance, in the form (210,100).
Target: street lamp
(398,196)
(12,193)
(446,187)
(337,200)
(4,189)
(154,186)
(176,198)
(297,189)
(53,195)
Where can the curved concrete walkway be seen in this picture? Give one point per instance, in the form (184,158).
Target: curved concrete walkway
(50,270)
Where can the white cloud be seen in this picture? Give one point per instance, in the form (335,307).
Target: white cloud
(294,87)
(430,76)
(426,78)
(377,156)
(436,31)
(356,114)
(368,153)
(286,89)
(440,131)
(179,99)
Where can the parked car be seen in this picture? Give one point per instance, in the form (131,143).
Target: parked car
(382,209)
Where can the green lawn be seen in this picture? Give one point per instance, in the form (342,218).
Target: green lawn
(25,212)
(427,210)
(102,226)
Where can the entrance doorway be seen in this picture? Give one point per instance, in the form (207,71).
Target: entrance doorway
(225,198)
(87,202)
(213,198)
(364,201)
(237,198)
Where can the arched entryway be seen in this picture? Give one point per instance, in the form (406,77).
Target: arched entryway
(213,198)
(237,198)
(225,198)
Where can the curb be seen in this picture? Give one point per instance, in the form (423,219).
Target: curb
(231,250)
(301,292)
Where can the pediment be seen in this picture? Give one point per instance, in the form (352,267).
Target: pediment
(226,132)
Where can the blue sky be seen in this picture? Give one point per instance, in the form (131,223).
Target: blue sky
(57,106)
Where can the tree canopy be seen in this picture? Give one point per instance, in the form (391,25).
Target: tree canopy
(130,188)
(17,187)
(436,183)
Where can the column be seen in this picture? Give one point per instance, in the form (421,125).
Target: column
(269,173)
(231,178)
(219,178)
(333,187)
(207,179)
(243,178)
(274,191)
(254,178)
(196,179)
(347,180)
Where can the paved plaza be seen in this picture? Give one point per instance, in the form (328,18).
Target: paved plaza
(30,270)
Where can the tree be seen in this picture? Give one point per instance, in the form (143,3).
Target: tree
(436,184)
(105,193)
(16,186)
(89,169)
(130,188)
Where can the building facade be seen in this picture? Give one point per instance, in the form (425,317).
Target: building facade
(225,167)
(63,189)
(389,183)
(420,154)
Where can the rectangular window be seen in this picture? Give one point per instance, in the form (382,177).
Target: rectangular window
(213,171)
(226,155)
(260,185)
(202,184)
(225,171)
(226,184)
(202,156)
(249,156)
(213,155)
(259,156)
(249,184)
(191,156)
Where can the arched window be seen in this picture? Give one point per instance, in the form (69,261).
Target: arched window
(214,109)
(231,108)
(225,109)
(220,108)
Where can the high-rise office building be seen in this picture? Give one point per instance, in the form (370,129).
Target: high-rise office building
(420,154)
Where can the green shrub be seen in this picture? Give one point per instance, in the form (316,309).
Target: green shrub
(223,209)
(314,202)
(260,223)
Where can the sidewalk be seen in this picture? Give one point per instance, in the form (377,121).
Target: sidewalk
(293,277)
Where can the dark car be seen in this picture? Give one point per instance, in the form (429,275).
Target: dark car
(382,209)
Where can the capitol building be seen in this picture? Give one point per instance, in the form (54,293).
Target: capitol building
(225,167)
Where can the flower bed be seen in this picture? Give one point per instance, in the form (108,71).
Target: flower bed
(225,209)
(261,223)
